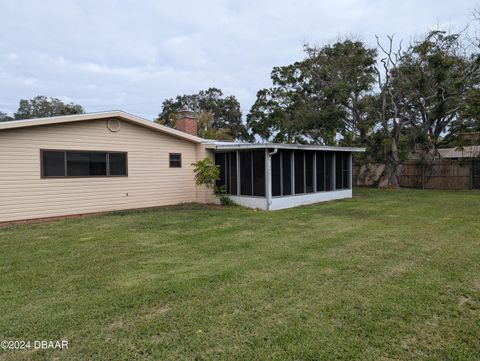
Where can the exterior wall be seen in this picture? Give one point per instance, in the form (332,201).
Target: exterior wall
(303,199)
(150,182)
(204,194)
(291,201)
(250,202)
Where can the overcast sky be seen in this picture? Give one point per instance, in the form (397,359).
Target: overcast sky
(131,55)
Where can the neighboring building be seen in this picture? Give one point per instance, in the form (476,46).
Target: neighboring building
(469,151)
(111,161)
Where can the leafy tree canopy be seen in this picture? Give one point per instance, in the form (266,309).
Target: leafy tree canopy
(4,117)
(219,116)
(41,107)
(326,94)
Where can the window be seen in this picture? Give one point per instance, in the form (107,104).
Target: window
(282,173)
(233,173)
(286,172)
(53,164)
(220,161)
(299,161)
(246,187)
(258,166)
(228,171)
(329,157)
(175,160)
(86,164)
(342,170)
(61,163)
(346,170)
(338,170)
(320,171)
(252,172)
(117,164)
(309,171)
(276,174)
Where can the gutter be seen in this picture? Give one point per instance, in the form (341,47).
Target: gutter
(269,177)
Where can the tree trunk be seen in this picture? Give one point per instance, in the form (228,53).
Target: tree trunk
(393,168)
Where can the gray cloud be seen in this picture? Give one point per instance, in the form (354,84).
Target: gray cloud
(131,55)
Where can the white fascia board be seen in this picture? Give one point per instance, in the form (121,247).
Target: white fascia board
(236,146)
(14,124)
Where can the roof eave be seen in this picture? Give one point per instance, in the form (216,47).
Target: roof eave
(16,124)
(236,146)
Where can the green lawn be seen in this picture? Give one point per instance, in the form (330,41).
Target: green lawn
(386,275)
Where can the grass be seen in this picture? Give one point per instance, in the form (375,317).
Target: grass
(387,275)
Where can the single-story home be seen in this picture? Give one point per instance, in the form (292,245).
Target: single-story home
(107,161)
(466,152)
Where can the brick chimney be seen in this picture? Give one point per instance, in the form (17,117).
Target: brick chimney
(187,122)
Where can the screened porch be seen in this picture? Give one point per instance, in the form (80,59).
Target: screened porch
(284,176)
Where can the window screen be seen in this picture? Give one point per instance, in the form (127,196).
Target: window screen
(175,160)
(286,172)
(53,163)
(117,164)
(220,161)
(276,175)
(329,171)
(233,173)
(228,171)
(299,171)
(228,184)
(346,170)
(246,188)
(309,171)
(338,170)
(320,169)
(258,164)
(86,164)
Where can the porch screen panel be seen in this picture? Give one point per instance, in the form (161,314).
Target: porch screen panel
(276,175)
(338,170)
(220,161)
(346,170)
(299,171)
(286,172)
(320,171)
(258,163)
(329,171)
(309,171)
(246,173)
(227,173)
(233,173)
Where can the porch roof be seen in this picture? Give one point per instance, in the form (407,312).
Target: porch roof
(236,146)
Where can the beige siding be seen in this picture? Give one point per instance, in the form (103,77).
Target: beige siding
(150,181)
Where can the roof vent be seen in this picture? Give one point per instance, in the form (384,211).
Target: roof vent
(113,125)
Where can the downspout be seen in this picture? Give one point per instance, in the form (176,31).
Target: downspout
(269,177)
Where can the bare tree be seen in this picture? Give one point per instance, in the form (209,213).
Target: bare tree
(392,110)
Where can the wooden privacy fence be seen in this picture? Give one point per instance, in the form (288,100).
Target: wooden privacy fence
(439,174)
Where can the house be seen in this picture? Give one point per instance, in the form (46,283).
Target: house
(108,161)
(466,152)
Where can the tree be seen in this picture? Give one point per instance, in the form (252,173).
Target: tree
(4,117)
(391,108)
(439,77)
(41,107)
(326,94)
(206,172)
(341,77)
(278,112)
(220,117)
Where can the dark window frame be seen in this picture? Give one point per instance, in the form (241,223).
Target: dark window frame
(65,151)
(175,160)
